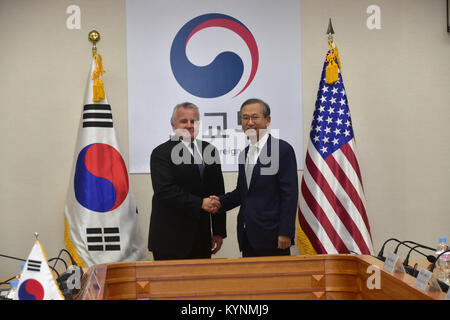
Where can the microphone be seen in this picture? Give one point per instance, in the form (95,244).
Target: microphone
(380,254)
(430,258)
(412,242)
(413,271)
(437,258)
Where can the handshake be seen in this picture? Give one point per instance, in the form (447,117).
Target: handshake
(211,204)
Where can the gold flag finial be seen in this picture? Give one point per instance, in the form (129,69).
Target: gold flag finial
(99,90)
(94,37)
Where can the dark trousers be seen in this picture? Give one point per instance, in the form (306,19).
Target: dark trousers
(249,251)
(201,247)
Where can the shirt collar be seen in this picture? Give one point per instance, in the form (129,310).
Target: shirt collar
(261,142)
(188,144)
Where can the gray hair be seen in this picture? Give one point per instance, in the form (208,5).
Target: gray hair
(187,105)
(266,108)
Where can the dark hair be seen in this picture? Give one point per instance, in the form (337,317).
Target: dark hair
(266,108)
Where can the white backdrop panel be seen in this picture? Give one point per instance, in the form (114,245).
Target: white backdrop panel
(156,83)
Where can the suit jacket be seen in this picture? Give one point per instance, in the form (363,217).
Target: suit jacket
(178,193)
(268,208)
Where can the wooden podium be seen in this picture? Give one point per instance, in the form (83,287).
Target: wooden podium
(315,277)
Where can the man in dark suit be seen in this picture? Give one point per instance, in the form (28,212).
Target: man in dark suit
(267,187)
(185,223)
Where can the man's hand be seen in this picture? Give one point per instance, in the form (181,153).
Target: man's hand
(284,242)
(211,205)
(216,199)
(216,244)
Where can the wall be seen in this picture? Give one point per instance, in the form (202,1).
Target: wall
(396,80)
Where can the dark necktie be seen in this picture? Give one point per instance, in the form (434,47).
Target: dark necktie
(197,159)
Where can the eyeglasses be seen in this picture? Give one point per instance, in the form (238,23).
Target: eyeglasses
(253,117)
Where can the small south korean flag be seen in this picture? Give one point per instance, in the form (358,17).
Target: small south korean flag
(37,281)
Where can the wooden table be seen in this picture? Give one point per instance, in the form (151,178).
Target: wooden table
(315,277)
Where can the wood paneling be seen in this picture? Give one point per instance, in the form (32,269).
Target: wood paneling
(296,277)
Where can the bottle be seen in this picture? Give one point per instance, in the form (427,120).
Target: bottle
(12,293)
(440,264)
(445,267)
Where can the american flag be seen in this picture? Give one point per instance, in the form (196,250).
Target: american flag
(332,210)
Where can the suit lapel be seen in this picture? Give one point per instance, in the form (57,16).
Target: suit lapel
(190,162)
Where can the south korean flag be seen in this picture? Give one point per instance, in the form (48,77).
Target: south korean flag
(101,221)
(36,281)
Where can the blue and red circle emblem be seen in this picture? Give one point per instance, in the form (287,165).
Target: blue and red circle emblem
(224,73)
(101,178)
(31,289)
